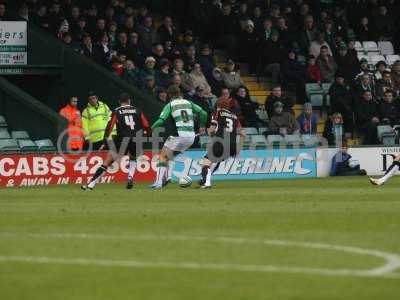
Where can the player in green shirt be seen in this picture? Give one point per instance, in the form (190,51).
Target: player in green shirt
(182,113)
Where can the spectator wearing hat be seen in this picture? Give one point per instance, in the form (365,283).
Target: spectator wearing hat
(326,65)
(149,69)
(367,117)
(247,43)
(313,72)
(308,121)
(383,84)
(148,35)
(317,44)
(231,77)
(341,98)
(282,122)
(163,75)
(364,70)
(130,73)
(277,96)
(380,67)
(150,86)
(271,56)
(348,64)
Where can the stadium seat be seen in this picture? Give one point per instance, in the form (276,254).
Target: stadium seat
(310,140)
(258,141)
(370,46)
(20,135)
(293,140)
(275,140)
(386,47)
(9,145)
(204,140)
(262,130)
(375,58)
(358,46)
(313,89)
(4,135)
(45,145)
(361,56)
(27,146)
(3,122)
(384,129)
(326,87)
(317,99)
(250,130)
(391,59)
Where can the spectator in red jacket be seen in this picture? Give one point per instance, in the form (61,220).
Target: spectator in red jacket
(313,72)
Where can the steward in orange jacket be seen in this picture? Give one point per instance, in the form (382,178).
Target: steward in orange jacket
(73,115)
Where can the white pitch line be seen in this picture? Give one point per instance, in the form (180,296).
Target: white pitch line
(392,260)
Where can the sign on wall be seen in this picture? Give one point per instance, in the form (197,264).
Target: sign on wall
(13,43)
(374,160)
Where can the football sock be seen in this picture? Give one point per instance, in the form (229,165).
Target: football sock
(390,172)
(170,169)
(208,176)
(204,172)
(132,169)
(99,172)
(162,169)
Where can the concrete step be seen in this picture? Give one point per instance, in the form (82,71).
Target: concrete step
(263,93)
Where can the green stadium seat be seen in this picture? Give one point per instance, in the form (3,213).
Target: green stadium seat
(313,89)
(293,140)
(4,135)
(258,141)
(9,145)
(27,146)
(310,140)
(3,122)
(45,145)
(385,131)
(20,135)
(275,140)
(250,130)
(262,130)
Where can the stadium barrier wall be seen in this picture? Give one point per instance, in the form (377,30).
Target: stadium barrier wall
(375,160)
(41,170)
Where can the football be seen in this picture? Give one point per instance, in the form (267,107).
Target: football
(185,181)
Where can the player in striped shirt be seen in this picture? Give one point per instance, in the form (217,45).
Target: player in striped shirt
(182,113)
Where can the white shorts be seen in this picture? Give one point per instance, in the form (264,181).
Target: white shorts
(179,143)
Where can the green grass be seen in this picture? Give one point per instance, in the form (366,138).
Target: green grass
(49,222)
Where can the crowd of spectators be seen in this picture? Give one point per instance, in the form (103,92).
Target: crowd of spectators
(293,42)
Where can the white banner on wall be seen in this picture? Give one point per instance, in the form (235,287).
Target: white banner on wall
(374,160)
(13,43)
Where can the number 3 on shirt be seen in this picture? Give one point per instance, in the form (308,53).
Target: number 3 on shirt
(228,125)
(129,121)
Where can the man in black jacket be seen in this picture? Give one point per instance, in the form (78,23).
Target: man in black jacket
(388,110)
(277,96)
(367,118)
(341,99)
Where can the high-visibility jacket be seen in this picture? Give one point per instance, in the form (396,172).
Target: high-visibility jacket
(75,134)
(94,121)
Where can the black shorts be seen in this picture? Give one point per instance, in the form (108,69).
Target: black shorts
(217,151)
(124,146)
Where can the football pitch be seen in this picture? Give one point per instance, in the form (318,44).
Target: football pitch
(336,238)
